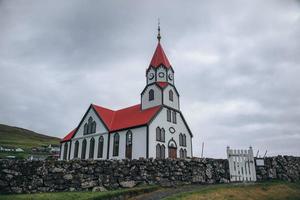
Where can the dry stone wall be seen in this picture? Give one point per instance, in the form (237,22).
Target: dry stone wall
(80,175)
(280,167)
(77,175)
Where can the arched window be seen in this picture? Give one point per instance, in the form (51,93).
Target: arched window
(158,151)
(116,145)
(128,150)
(162,151)
(93,127)
(168,115)
(174,117)
(65,151)
(85,129)
(151,95)
(100,147)
(92,148)
(162,135)
(157,134)
(185,153)
(90,121)
(171,95)
(83,151)
(181,153)
(180,139)
(76,149)
(184,140)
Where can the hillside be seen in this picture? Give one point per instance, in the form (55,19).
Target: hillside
(23,138)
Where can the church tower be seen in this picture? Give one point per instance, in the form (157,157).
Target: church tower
(160,88)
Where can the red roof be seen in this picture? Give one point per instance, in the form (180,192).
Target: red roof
(69,136)
(162,84)
(159,57)
(122,119)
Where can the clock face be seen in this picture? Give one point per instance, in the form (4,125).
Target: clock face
(161,74)
(151,76)
(170,76)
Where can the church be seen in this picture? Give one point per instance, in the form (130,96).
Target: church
(155,128)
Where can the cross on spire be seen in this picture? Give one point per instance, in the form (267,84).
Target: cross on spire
(158,29)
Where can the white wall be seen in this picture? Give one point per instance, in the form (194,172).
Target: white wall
(138,143)
(157,97)
(161,121)
(167,102)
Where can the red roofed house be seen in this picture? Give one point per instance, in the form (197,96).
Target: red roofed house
(155,128)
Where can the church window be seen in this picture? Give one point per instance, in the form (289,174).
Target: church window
(174,117)
(184,140)
(151,95)
(100,147)
(162,135)
(85,129)
(171,95)
(76,149)
(181,153)
(185,153)
(162,151)
(65,151)
(92,148)
(83,151)
(157,134)
(89,127)
(180,139)
(169,115)
(158,151)
(116,145)
(93,127)
(129,138)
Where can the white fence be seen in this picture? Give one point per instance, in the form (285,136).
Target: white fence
(241,165)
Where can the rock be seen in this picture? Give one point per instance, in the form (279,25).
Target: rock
(56,170)
(68,176)
(17,190)
(99,189)
(128,184)
(198,179)
(88,184)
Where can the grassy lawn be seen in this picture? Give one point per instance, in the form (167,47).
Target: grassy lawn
(259,191)
(80,195)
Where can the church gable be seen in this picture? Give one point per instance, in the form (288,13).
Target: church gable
(151,96)
(90,124)
(171,97)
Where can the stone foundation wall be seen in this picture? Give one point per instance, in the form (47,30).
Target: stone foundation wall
(46,176)
(280,167)
(79,175)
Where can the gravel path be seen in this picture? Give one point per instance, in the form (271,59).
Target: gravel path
(166,192)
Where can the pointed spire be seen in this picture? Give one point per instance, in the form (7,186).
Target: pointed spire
(158,29)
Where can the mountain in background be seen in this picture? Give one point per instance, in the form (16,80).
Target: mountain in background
(18,137)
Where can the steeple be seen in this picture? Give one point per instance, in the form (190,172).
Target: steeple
(159,56)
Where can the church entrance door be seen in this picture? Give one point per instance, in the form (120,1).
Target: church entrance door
(172,152)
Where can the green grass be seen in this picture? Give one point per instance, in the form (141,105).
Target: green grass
(81,195)
(26,139)
(259,191)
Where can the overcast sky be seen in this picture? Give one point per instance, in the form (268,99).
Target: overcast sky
(237,66)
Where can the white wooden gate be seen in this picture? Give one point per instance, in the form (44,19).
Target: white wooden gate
(241,165)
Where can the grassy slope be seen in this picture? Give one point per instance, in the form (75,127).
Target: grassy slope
(81,195)
(262,191)
(18,137)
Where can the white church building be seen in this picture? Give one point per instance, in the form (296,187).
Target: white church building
(155,128)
